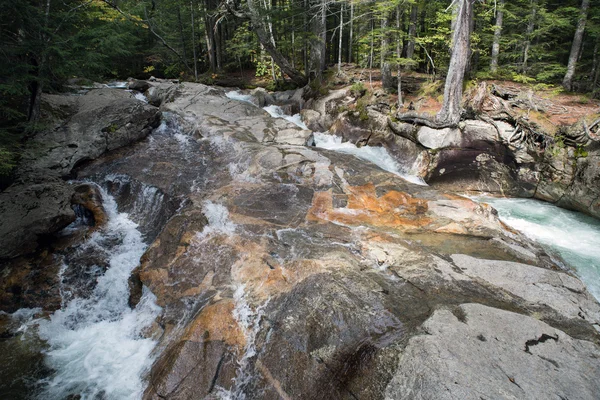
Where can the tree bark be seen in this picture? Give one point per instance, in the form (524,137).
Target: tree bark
(194,41)
(384,40)
(39,63)
(351,33)
(497,36)
(318,47)
(453,89)
(398,56)
(576,46)
(341,31)
(412,31)
(530,27)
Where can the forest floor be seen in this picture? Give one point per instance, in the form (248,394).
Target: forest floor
(547,105)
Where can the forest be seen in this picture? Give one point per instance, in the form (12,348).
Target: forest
(46,43)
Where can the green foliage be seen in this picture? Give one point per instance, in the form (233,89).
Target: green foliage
(520,78)
(358,89)
(580,151)
(361,107)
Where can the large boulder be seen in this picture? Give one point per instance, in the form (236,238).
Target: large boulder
(31,210)
(105,119)
(81,128)
(477,352)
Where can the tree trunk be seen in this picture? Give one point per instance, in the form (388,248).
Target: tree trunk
(576,46)
(318,47)
(266,39)
(453,89)
(497,36)
(39,63)
(384,41)
(595,62)
(528,34)
(351,32)
(412,31)
(194,41)
(398,55)
(341,38)
(182,36)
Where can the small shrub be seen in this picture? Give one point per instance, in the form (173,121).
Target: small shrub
(358,89)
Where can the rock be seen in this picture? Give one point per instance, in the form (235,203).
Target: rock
(328,107)
(261,97)
(312,119)
(439,138)
(294,137)
(140,86)
(30,211)
(106,119)
(160,93)
(90,199)
(286,271)
(478,351)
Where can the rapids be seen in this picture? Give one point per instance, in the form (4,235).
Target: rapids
(576,237)
(95,345)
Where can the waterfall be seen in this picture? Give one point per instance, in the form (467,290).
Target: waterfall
(376,155)
(96,344)
(277,112)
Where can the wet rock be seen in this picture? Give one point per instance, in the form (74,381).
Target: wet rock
(30,211)
(89,198)
(140,86)
(295,272)
(160,93)
(261,97)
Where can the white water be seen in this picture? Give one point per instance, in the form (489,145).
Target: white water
(277,112)
(249,319)
(273,110)
(218,220)
(376,155)
(117,85)
(140,96)
(237,95)
(96,347)
(574,235)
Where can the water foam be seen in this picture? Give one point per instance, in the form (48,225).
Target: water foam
(218,220)
(237,95)
(140,96)
(277,112)
(249,319)
(574,235)
(96,346)
(376,155)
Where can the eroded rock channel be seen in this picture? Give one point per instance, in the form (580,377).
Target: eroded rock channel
(270,269)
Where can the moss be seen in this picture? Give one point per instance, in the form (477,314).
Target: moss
(112,128)
(361,107)
(580,152)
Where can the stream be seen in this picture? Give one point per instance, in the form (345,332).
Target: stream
(97,347)
(575,236)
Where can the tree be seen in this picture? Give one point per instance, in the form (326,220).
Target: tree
(576,46)
(497,35)
(453,88)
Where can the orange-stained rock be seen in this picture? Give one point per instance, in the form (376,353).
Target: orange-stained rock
(89,197)
(453,228)
(264,277)
(216,322)
(394,209)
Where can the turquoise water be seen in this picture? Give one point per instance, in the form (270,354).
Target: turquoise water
(574,235)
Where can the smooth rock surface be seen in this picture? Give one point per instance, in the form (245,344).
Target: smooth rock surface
(477,352)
